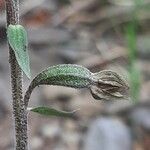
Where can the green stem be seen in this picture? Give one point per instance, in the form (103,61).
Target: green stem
(19,111)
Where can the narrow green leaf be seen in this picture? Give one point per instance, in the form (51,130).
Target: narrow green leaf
(51,112)
(64,75)
(131,41)
(17,37)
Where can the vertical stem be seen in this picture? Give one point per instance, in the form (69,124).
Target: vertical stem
(19,111)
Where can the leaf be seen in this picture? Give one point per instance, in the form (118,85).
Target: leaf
(68,75)
(51,112)
(64,75)
(131,41)
(17,37)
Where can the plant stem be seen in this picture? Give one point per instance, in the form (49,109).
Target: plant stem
(19,111)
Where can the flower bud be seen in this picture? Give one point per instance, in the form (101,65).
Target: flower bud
(109,85)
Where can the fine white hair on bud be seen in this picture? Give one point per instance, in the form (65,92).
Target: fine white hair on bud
(108,85)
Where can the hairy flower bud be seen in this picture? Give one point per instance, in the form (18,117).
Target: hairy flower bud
(109,85)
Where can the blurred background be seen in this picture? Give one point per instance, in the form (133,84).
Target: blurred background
(98,34)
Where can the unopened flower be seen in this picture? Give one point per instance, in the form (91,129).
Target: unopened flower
(109,85)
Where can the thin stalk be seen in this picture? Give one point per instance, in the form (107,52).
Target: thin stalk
(19,111)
